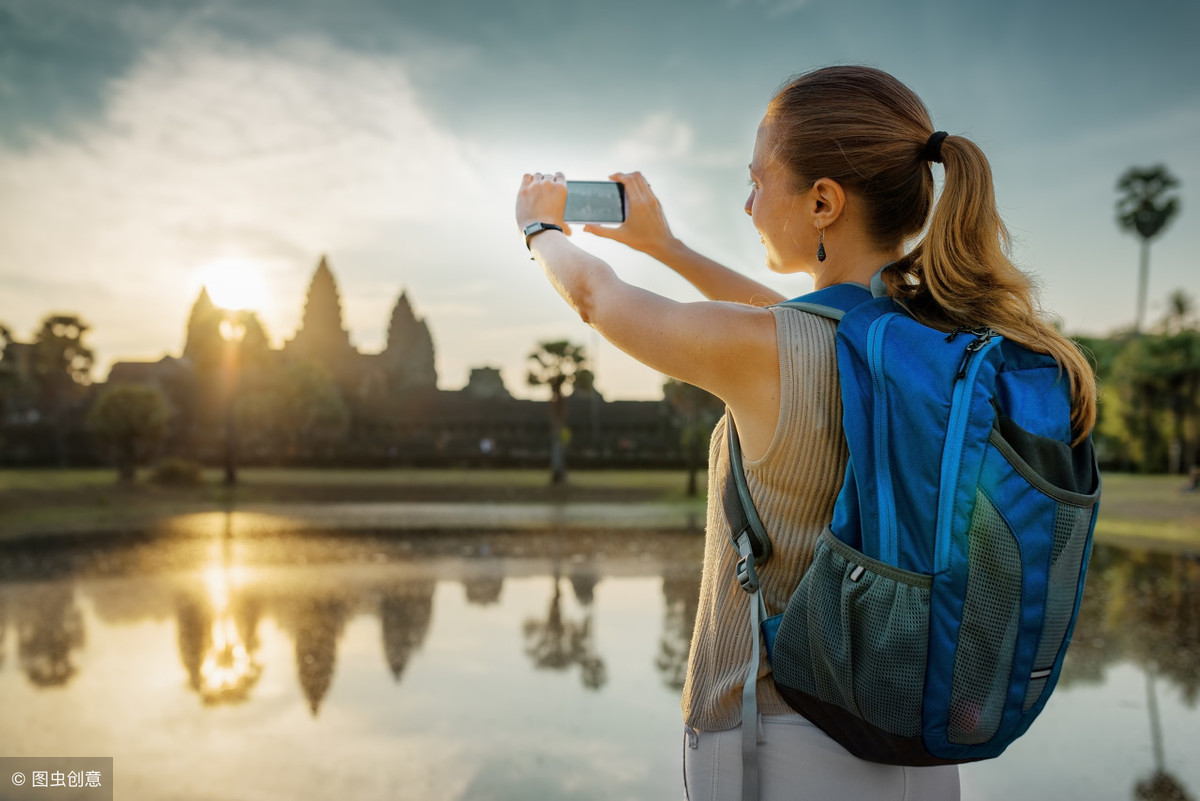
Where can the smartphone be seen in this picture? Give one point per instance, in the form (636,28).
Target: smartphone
(595,202)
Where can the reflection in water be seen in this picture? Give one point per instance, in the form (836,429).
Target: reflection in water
(593,671)
(240,606)
(1161,786)
(1160,614)
(218,633)
(1144,607)
(483,581)
(557,643)
(3,628)
(229,668)
(49,628)
(317,624)
(404,615)
(1140,606)
(681,597)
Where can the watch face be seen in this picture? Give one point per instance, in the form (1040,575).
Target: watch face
(533,228)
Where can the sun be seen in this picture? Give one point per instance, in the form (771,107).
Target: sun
(235,284)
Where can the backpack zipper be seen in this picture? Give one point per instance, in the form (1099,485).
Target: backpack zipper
(889,546)
(960,408)
(982,337)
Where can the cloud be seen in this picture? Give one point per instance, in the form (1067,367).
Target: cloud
(208,149)
(663,138)
(659,137)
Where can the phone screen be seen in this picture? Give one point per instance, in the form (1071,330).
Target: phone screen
(595,202)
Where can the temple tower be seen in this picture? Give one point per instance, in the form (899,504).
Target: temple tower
(408,357)
(322,338)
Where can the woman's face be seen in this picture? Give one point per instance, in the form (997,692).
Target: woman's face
(779,212)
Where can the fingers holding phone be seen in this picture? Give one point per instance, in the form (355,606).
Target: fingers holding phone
(645,226)
(542,198)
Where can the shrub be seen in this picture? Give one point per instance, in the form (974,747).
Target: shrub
(177,473)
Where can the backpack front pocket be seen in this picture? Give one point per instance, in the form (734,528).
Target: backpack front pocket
(855,635)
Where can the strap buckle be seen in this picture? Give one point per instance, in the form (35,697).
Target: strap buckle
(747,576)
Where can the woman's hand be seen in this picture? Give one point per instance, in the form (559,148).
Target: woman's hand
(542,198)
(645,227)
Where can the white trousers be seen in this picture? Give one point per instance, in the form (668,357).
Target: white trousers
(799,762)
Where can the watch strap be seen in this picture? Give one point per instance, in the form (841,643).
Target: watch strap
(533,229)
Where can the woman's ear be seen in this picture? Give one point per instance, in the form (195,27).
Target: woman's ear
(829,201)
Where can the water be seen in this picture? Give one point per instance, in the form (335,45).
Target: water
(488,665)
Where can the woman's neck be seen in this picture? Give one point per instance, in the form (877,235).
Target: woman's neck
(853,267)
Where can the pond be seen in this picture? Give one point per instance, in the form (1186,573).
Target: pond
(488,664)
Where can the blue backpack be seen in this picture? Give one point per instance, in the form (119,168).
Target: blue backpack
(931,626)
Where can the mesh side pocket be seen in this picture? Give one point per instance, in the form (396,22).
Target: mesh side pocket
(855,634)
(988,634)
(1071,526)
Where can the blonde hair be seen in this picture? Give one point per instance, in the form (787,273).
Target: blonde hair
(866,130)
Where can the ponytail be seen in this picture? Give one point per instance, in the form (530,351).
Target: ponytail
(959,274)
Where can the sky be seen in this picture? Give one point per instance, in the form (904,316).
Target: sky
(149,147)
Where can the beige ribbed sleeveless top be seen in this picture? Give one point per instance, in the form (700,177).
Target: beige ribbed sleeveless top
(794,486)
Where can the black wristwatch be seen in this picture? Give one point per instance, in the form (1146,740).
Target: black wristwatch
(533,229)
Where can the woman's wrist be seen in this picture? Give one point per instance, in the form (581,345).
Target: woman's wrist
(544,237)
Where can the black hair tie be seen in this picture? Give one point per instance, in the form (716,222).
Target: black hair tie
(933,147)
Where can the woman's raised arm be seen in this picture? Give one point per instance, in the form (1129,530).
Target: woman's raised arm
(728,349)
(645,229)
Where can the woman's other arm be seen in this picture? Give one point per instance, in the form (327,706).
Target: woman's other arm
(645,229)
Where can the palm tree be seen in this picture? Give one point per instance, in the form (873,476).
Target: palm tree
(62,366)
(559,365)
(1144,209)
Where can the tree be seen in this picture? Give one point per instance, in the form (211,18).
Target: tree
(60,352)
(1181,379)
(1110,435)
(5,338)
(130,419)
(1145,209)
(62,366)
(8,372)
(1157,381)
(697,412)
(297,408)
(559,365)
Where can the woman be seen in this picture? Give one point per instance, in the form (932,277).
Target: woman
(840,182)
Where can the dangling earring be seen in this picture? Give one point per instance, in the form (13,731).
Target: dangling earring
(821,246)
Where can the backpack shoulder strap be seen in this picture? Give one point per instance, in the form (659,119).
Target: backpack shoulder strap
(746,532)
(832,301)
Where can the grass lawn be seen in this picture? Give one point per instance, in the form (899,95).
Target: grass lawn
(1133,508)
(259,484)
(40,500)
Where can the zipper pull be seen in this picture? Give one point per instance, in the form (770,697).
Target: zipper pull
(962,329)
(982,337)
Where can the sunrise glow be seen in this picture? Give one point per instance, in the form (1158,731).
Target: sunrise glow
(235,284)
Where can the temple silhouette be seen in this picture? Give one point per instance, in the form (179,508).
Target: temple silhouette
(318,399)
